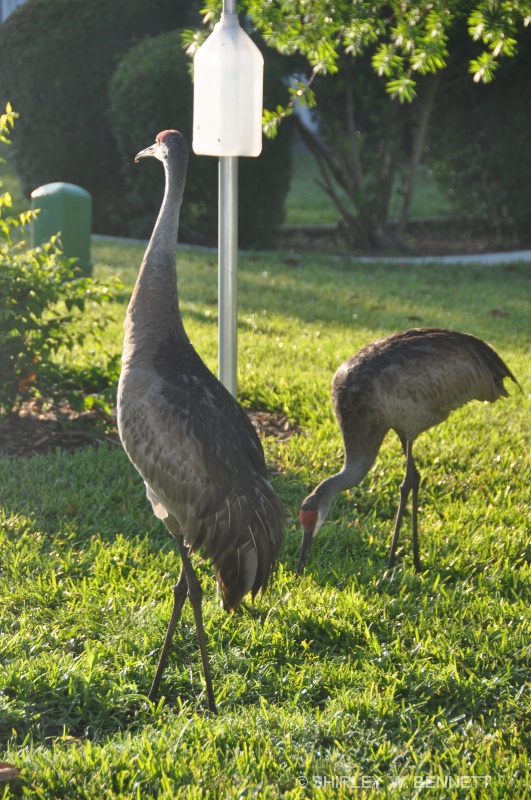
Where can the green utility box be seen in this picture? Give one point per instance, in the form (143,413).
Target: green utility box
(65,209)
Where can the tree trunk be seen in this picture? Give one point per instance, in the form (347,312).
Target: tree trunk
(426,105)
(362,228)
(363,200)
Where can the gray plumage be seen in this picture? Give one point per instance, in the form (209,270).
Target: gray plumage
(406,382)
(197,451)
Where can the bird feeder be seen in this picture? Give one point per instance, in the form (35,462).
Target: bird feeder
(228,95)
(228,92)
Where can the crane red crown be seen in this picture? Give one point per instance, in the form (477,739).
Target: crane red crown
(308,518)
(161,137)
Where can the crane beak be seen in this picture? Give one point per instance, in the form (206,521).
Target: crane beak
(307,538)
(149,151)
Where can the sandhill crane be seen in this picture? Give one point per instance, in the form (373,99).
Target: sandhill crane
(199,455)
(407,382)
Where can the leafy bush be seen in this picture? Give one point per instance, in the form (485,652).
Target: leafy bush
(40,295)
(479,145)
(56,58)
(151,91)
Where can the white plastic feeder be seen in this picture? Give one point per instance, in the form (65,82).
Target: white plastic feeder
(228,92)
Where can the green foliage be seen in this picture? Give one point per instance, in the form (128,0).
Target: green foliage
(40,295)
(344,682)
(407,39)
(494,25)
(485,172)
(150,91)
(72,47)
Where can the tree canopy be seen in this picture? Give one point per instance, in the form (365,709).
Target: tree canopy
(407,38)
(356,51)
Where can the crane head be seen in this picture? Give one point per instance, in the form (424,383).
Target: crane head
(312,515)
(160,148)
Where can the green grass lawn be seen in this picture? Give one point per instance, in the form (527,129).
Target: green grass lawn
(345,682)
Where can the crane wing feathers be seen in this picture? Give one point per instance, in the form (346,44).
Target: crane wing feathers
(214,486)
(412,380)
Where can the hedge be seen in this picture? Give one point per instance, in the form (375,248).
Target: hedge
(56,59)
(478,145)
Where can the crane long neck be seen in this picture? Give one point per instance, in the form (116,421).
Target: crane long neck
(153,311)
(163,240)
(361,448)
(340,482)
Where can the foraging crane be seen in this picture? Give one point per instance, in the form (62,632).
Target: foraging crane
(407,382)
(198,453)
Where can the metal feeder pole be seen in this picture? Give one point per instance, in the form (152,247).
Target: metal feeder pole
(228,262)
(228,272)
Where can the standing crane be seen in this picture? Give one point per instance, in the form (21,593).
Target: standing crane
(407,382)
(200,457)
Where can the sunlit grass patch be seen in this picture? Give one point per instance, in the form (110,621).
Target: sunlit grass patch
(343,682)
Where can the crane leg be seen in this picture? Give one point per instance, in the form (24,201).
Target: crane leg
(414,514)
(186,586)
(180,591)
(195,593)
(409,484)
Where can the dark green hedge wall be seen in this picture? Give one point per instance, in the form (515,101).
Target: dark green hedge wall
(478,144)
(56,59)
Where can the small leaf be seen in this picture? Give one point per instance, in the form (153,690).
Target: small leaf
(402,88)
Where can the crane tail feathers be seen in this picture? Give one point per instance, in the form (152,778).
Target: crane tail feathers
(246,566)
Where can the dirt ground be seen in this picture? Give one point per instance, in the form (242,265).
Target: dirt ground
(423,238)
(37,428)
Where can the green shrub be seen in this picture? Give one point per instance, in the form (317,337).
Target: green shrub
(479,145)
(151,91)
(56,58)
(40,296)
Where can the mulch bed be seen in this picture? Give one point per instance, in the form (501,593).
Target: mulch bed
(436,237)
(39,428)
